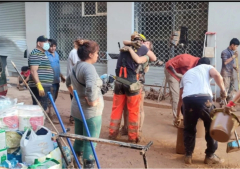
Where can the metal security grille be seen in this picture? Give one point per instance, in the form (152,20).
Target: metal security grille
(156,20)
(69,20)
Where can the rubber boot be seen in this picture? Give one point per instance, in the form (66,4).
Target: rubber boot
(88,164)
(80,159)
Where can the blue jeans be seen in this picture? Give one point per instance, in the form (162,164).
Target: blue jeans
(44,101)
(55,89)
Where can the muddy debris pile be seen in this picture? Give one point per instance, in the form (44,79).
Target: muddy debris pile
(152,94)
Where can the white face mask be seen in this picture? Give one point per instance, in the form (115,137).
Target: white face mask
(46,46)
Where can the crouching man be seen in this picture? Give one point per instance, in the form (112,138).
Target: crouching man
(196,95)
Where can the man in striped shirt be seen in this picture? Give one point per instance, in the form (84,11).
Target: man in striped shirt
(41,77)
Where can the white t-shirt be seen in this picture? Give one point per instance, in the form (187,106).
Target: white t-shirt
(72,60)
(197,81)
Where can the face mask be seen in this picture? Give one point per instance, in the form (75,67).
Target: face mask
(46,46)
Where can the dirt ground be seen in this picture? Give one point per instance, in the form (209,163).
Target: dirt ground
(157,128)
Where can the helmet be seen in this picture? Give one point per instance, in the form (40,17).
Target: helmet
(137,36)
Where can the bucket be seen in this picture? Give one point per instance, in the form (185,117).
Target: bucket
(180,149)
(200,129)
(222,126)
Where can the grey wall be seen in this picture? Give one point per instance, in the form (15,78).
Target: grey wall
(37,22)
(120,26)
(223,18)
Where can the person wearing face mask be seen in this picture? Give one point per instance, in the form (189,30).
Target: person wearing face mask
(41,77)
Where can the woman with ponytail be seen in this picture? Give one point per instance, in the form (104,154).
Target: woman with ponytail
(85,80)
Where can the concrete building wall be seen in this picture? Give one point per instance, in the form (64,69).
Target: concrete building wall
(37,22)
(120,26)
(223,18)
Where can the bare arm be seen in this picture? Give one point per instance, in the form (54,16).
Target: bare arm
(34,73)
(179,102)
(127,42)
(228,60)
(151,56)
(218,78)
(136,58)
(27,79)
(174,71)
(237,97)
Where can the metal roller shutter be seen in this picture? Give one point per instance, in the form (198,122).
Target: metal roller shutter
(13,34)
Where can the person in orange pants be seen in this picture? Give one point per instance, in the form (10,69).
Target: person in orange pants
(126,76)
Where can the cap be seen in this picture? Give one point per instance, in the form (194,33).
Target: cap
(42,39)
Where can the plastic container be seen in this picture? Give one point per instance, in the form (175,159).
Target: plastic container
(180,149)
(222,126)
(30,116)
(9,119)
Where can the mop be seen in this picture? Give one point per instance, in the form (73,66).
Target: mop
(86,127)
(63,128)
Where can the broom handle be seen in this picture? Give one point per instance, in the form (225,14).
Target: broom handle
(37,102)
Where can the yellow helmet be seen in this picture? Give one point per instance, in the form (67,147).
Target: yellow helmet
(143,38)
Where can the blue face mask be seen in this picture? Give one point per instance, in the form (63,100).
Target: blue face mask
(46,46)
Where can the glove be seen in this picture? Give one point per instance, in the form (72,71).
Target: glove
(40,89)
(223,94)
(136,44)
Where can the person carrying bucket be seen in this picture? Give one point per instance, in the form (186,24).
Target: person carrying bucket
(196,96)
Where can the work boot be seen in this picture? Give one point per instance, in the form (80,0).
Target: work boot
(88,164)
(53,116)
(188,159)
(213,159)
(80,159)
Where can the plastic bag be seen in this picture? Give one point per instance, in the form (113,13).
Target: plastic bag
(37,146)
(6,102)
(55,154)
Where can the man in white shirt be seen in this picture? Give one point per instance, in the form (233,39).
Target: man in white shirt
(196,95)
(71,61)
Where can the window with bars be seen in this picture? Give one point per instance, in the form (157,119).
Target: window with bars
(156,20)
(67,22)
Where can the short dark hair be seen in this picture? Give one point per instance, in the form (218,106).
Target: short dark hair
(203,60)
(24,68)
(85,47)
(234,41)
(52,42)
